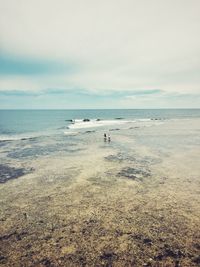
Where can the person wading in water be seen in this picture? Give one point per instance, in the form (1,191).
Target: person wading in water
(109,138)
(105,137)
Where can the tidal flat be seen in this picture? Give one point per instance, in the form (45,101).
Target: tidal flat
(80,201)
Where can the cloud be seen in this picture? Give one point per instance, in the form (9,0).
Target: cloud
(105,48)
(144,93)
(17,93)
(25,66)
(80,92)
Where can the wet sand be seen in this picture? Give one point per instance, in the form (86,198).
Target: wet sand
(132,202)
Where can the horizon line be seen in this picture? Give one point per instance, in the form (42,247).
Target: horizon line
(96,108)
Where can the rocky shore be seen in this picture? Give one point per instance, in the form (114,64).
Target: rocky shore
(133,202)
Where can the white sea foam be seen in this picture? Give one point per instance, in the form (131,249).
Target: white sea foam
(70,133)
(143,120)
(80,124)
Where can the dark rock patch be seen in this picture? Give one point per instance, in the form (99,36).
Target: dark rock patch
(89,226)
(197,246)
(121,233)
(7,236)
(37,150)
(108,257)
(157,119)
(147,241)
(17,235)
(8,173)
(91,221)
(70,120)
(21,235)
(170,252)
(197,260)
(141,239)
(115,129)
(87,132)
(132,173)
(78,259)
(46,262)
(3,259)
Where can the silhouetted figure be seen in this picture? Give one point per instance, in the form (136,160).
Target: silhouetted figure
(105,137)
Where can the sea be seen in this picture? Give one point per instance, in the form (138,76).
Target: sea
(21,124)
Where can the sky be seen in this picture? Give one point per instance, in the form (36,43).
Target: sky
(76,54)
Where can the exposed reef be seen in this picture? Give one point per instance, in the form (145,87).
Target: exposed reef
(8,173)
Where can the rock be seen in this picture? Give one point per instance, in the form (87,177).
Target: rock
(89,132)
(116,129)
(3,259)
(28,246)
(47,237)
(8,173)
(7,236)
(170,252)
(173,253)
(159,257)
(132,173)
(70,120)
(85,120)
(147,241)
(46,262)
(108,256)
(196,260)
(196,245)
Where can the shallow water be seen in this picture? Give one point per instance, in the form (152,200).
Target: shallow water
(17,124)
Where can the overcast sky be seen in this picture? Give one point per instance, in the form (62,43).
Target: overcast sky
(99,54)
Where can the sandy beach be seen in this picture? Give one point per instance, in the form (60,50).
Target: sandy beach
(131,202)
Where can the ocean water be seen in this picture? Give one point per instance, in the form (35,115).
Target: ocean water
(18,124)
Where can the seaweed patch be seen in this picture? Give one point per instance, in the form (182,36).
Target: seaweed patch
(8,173)
(133,173)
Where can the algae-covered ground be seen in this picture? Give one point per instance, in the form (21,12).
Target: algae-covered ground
(80,201)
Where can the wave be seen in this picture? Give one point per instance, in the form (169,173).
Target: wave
(143,120)
(71,133)
(80,124)
(23,136)
(14,137)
